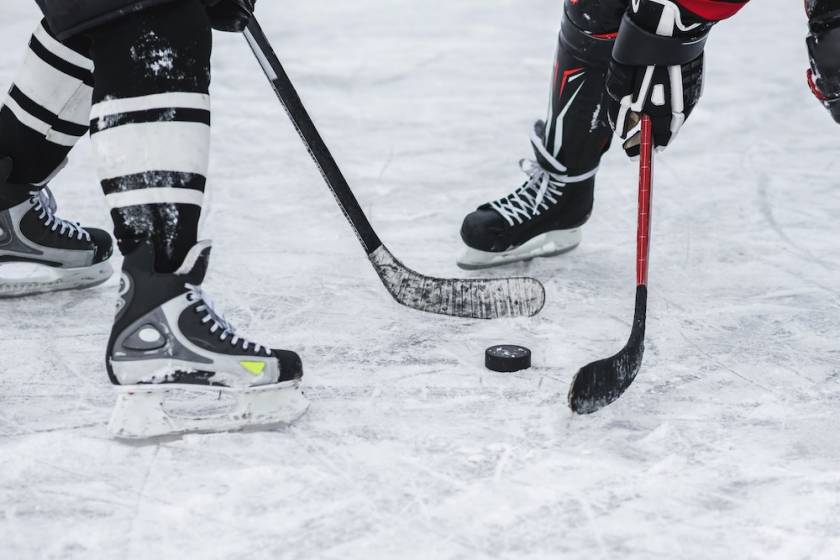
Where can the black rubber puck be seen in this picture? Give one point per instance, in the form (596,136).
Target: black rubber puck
(507,358)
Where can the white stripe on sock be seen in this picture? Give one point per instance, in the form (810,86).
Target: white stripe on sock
(62,51)
(77,108)
(40,126)
(180,100)
(157,195)
(52,89)
(159,146)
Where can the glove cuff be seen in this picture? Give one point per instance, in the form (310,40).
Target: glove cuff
(635,46)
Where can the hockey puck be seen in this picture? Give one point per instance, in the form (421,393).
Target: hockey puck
(507,358)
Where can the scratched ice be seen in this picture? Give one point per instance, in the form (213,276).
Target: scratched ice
(726,447)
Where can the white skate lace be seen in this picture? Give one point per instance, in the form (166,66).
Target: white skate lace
(218,323)
(44,202)
(541,190)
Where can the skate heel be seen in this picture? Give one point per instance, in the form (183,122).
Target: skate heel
(139,413)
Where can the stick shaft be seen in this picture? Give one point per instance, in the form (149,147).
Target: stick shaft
(285,90)
(645,181)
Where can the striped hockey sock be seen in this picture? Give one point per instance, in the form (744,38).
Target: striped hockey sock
(150,126)
(45,111)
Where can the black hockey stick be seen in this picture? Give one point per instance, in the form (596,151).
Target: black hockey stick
(603,382)
(478,299)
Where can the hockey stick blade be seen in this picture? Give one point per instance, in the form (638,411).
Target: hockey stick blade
(476,299)
(601,383)
(468,298)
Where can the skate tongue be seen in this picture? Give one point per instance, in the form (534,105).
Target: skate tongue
(541,154)
(196,262)
(45,196)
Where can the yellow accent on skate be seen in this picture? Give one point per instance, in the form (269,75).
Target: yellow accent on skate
(255,368)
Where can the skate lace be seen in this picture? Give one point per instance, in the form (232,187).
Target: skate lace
(541,190)
(218,324)
(44,202)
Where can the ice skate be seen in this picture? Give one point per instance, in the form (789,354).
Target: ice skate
(181,367)
(40,252)
(541,218)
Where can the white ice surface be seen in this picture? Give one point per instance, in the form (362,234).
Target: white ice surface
(727,446)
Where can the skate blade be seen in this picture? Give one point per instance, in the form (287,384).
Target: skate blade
(150,411)
(547,244)
(26,279)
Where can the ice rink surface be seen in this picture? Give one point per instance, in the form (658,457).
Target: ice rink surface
(727,446)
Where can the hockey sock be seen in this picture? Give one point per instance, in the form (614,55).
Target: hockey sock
(45,112)
(150,125)
(577,131)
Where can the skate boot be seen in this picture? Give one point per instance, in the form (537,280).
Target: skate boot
(170,352)
(541,218)
(40,252)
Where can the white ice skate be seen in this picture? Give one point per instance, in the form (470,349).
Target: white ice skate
(40,252)
(181,366)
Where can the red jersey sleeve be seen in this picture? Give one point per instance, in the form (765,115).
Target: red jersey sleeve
(713,10)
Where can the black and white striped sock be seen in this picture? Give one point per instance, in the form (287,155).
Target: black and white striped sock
(150,126)
(152,149)
(153,155)
(46,110)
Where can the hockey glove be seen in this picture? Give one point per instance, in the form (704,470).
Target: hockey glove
(824,52)
(656,69)
(230,15)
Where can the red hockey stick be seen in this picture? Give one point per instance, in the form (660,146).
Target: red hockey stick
(603,382)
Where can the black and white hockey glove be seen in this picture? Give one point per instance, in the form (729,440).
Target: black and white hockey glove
(230,15)
(656,69)
(824,52)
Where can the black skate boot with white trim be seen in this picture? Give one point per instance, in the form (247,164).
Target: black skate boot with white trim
(169,344)
(541,218)
(40,252)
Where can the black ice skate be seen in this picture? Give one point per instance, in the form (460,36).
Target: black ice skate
(541,218)
(167,340)
(40,252)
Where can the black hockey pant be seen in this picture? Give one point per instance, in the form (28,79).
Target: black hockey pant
(577,131)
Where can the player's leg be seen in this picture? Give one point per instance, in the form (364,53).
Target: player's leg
(150,127)
(43,116)
(824,51)
(543,217)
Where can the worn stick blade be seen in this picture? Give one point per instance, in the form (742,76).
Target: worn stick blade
(469,298)
(601,383)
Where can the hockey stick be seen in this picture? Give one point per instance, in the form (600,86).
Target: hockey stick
(478,299)
(603,382)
